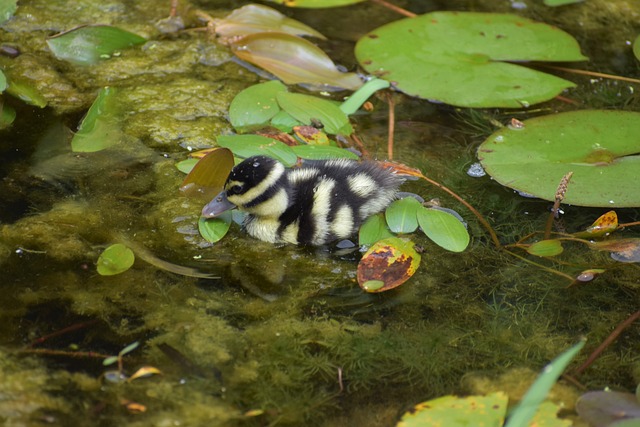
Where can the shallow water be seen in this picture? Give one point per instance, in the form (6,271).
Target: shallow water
(282,335)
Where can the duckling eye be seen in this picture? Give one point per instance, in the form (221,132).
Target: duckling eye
(235,189)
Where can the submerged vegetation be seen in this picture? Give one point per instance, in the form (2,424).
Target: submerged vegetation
(239,332)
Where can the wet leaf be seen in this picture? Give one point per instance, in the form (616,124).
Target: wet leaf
(7,9)
(636,48)
(100,127)
(550,247)
(465,54)
(603,408)
(311,135)
(87,45)
(375,228)
(452,411)
(622,250)
(284,122)
(253,145)
(3,82)
(319,152)
(392,261)
(187,165)
(293,60)
(209,174)
(254,18)
(307,109)
(26,92)
(255,106)
(115,259)
(547,416)
(601,148)
(444,229)
(145,371)
(522,414)
(401,215)
(603,226)
(7,115)
(555,3)
(214,229)
(316,3)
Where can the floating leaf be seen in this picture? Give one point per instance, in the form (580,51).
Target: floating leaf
(547,416)
(306,109)
(255,18)
(603,408)
(319,152)
(214,229)
(636,48)
(375,228)
(115,259)
(444,229)
(7,9)
(7,115)
(255,106)
(187,165)
(601,148)
(26,92)
(3,82)
(555,3)
(461,58)
(550,247)
(253,145)
(452,411)
(208,176)
(100,127)
(401,215)
(293,60)
(622,250)
(88,44)
(315,4)
(537,393)
(392,261)
(284,122)
(603,226)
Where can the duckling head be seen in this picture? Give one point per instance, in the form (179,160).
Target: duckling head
(257,185)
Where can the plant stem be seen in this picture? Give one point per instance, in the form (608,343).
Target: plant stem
(395,8)
(392,125)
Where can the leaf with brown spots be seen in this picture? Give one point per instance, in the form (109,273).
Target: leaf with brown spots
(603,226)
(387,264)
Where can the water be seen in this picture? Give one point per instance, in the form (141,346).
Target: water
(282,335)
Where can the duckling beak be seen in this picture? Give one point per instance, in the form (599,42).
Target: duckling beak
(218,205)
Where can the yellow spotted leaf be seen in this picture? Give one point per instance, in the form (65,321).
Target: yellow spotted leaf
(603,226)
(387,264)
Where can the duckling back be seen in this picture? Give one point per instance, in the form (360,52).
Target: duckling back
(316,203)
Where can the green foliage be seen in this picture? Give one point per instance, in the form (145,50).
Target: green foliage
(599,147)
(551,247)
(636,48)
(255,106)
(555,3)
(25,92)
(461,57)
(443,228)
(3,82)
(214,229)
(401,215)
(7,9)
(374,228)
(100,127)
(251,145)
(115,259)
(319,152)
(304,108)
(7,115)
(89,44)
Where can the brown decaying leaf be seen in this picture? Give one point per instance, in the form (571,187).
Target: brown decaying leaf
(389,264)
(208,176)
(623,250)
(280,136)
(145,371)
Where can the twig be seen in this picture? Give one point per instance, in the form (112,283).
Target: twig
(48,352)
(560,193)
(392,124)
(62,332)
(611,338)
(589,73)
(395,8)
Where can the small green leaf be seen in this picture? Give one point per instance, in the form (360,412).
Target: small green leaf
(186,165)
(636,48)
(7,9)
(374,229)
(100,127)
(88,44)
(253,145)
(359,97)
(555,3)
(373,285)
(129,348)
(401,215)
(444,229)
(319,152)
(115,259)
(304,108)
(255,106)
(7,115)
(214,229)
(110,360)
(551,247)
(26,93)
(284,122)
(3,82)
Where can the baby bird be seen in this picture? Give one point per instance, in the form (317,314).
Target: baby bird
(314,204)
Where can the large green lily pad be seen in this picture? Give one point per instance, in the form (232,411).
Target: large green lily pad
(601,148)
(459,58)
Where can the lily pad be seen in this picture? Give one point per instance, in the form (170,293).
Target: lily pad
(115,259)
(461,58)
(601,148)
(88,44)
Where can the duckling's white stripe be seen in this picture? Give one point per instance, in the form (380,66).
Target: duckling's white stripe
(290,233)
(296,176)
(320,210)
(274,206)
(342,224)
(271,178)
(362,185)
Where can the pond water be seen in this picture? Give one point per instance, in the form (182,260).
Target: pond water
(279,335)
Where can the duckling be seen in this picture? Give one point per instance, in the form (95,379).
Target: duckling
(319,202)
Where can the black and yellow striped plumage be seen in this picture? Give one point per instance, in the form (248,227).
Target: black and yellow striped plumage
(316,203)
